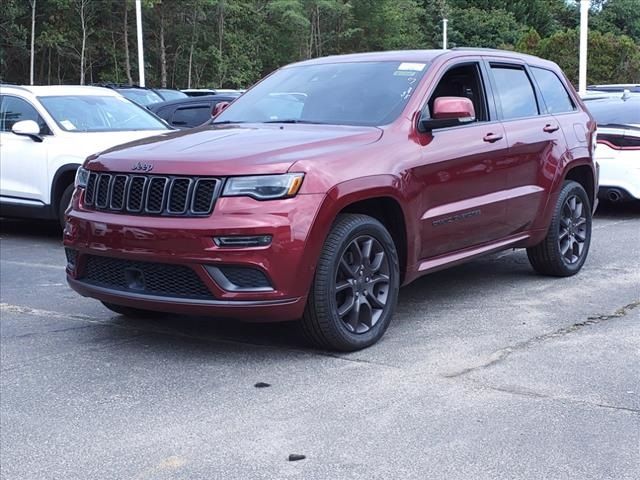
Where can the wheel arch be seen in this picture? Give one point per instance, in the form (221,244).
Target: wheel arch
(63,177)
(377,196)
(583,174)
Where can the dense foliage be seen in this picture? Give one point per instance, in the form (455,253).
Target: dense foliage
(232,43)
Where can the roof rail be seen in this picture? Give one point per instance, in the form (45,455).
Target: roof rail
(118,85)
(13,85)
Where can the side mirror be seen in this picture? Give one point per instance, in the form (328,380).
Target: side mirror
(27,128)
(448,112)
(219,107)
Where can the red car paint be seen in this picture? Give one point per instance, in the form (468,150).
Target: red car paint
(459,193)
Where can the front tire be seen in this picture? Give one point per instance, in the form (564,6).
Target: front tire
(564,250)
(355,287)
(65,199)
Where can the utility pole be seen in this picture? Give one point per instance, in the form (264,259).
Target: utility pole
(444,33)
(584,29)
(33,34)
(140,46)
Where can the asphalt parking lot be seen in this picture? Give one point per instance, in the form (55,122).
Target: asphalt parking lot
(488,371)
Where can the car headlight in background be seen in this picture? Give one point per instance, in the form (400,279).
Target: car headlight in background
(264,187)
(82,177)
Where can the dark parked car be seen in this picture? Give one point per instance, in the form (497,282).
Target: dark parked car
(189,112)
(615,87)
(200,92)
(143,95)
(396,164)
(170,94)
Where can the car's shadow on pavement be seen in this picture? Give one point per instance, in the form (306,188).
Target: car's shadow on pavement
(30,228)
(608,210)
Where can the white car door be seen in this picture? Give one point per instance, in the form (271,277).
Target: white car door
(23,161)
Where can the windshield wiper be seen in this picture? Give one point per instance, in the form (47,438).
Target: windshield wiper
(293,120)
(227,122)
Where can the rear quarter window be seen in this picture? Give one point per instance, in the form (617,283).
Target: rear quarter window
(554,93)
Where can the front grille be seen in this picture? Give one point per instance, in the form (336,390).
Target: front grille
(148,278)
(151,194)
(244,277)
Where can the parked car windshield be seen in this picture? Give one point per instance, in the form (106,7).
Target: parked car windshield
(89,113)
(358,93)
(169,94)
(141,96)
(616,112)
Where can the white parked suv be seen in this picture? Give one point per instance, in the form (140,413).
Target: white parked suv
(46,133)
(618,149)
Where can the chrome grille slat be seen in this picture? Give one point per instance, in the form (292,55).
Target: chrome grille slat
(179,195)
(103,190)
(118,192)
(152,195)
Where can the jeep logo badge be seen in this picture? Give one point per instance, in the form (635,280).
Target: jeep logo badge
(143,167)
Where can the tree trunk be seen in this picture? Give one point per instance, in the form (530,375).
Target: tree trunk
(163,52)
(49,68)
(221,68)
(33,34)
(84,40)
(125,32)
(193,42)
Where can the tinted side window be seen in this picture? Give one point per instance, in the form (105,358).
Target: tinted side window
(463,81)
(14,109)
(515,92)
(191,116)
(553,91)
(164,113)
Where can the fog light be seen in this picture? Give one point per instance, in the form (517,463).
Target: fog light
(237,241)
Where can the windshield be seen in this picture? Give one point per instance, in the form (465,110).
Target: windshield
(616,111)
(88,113)
(140,95)
(359,93)
(172,94)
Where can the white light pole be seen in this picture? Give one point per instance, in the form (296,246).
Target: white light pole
(584,28)
(444,33)
(140,47)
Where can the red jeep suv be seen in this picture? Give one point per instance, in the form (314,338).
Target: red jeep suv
(333,182)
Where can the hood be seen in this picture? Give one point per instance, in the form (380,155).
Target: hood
(234,149)
(95,142)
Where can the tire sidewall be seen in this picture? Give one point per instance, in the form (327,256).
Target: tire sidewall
(64,203)
(572,188)
(362,340)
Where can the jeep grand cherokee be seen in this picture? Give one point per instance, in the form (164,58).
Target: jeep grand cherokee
(333,182)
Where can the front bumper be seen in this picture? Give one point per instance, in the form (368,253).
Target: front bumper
(288,262)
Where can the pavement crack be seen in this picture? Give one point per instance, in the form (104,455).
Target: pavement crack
(522,392)
(502,354)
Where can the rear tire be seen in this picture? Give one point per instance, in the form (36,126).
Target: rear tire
(65,199)
(564,250)
(130,311)
(355,287)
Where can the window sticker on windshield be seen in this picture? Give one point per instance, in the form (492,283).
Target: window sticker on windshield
(67,124)
(404,73)
(415,67)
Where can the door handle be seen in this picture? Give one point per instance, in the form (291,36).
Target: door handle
(492,137)
(549,128)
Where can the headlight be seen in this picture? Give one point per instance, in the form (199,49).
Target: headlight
(264,187)
(82,177)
